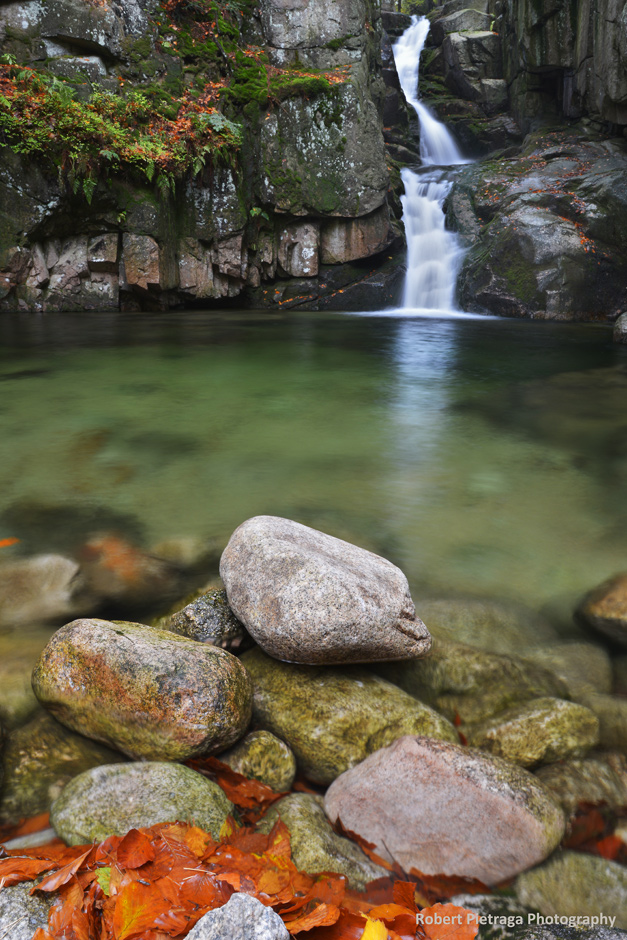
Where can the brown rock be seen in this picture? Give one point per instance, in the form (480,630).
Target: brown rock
(196,270)
(310,598)
(343,240)
(102,253)
(117,570)
(148,693)
(140,260)
(605,608)
(443,808)
(298,249)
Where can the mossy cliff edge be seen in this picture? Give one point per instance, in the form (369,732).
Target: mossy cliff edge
(190,152)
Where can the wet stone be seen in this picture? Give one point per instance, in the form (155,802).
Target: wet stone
(575,884)
(21,913)
(446,809)
(146,692)
(333,718)
(538,732)
(112,799)
(308,597)
(598,778)
(241,918)
(39,759)
(264,757)
(209,619)
(315,846)
(605,609)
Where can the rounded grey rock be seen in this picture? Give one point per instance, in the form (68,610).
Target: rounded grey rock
(241,918)
(307,597)
(112,799)
(22,913)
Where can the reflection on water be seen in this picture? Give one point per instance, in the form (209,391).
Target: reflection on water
(454,446)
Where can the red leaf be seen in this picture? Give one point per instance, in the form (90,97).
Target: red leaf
(137,909)
(14,870)
(63,875)
(448,922)
(135,850)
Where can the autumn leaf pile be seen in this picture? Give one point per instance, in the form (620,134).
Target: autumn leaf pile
(156,883)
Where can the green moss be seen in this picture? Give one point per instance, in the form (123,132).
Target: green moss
(336,44)
(519,277)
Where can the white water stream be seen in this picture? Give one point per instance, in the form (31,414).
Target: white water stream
(433,253)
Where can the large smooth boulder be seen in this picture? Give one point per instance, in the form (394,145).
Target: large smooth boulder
(112,799)
(148,693)
(315,846)
(538,732)
(333,718)
(241,918)
(442,808)
(307,597)
(471,684)
(39,759)
(575,884)
(264,757)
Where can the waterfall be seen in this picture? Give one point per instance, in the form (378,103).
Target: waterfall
(433,253)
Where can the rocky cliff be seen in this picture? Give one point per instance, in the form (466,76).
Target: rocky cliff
(190,152)
(185,152)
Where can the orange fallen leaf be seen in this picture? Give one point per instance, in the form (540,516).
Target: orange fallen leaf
(447,922)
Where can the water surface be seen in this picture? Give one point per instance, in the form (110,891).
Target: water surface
(482,455)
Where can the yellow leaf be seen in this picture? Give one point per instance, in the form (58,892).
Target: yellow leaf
(375,930)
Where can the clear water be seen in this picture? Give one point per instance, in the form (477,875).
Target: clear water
(484,456)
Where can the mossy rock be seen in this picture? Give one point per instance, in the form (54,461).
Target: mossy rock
(315,846)
(333,718)
(263,757)
(112,799)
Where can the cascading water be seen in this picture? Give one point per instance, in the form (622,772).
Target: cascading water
(433,253)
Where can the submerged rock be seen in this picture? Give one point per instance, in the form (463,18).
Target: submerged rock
(605,609)
(146,692)
(18,656)
(307,597)
(315,846)
(611,710)
(333,718)
(583,667)
(112,799)
(572,883)
(22,914)
(44,587)
(598,778)
(537,732)
(263,757)
(209,619)
(443,808)
(39,760)
(241,918)
(471,684)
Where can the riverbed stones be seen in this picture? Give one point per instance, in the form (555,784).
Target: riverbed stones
(36,589)
(605,608)
(148,693)
(315,846)
(574,884)
(538,732)
(241,918)
(333,718)
(112,799)
(583,667)
(471,684)
(264,757)
(39,759)
(598,778)
(18,655)
(208,619)
(442,808)
(308,597)
(21,914)
(611,710)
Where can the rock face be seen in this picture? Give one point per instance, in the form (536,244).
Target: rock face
(545,229)
(538,732)
(442,808)
(21,914)
(331,718)
(605,609)
(39,760)
(315,846)
(571,883)
(307,597)
(263,757)
(145,692)
(241,918)
(110,800)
